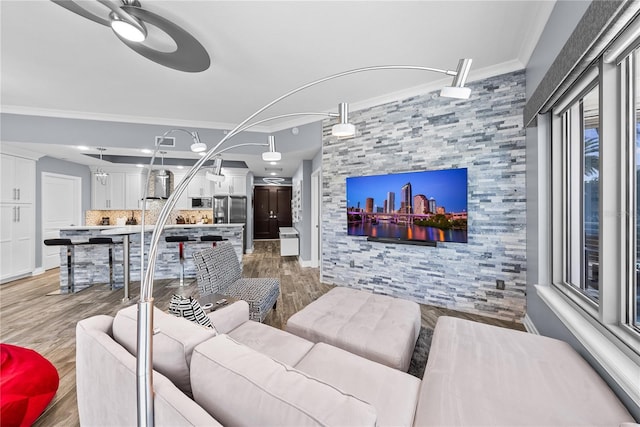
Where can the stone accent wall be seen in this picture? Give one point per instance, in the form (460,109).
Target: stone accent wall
(484,134)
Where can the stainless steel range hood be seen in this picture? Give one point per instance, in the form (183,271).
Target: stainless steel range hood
(161,185)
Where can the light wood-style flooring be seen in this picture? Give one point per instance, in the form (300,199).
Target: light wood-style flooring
(46,323)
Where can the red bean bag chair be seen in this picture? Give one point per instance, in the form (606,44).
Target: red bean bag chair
(28,382)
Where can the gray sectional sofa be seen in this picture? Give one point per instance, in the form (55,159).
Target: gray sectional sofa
(252,374)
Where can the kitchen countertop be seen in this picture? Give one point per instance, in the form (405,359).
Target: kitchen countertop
(136,228)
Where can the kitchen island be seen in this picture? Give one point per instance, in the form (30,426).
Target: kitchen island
(91,262)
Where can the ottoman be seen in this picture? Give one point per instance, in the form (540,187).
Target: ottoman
(378,327)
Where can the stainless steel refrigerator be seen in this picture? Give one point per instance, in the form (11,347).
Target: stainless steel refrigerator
(231,210)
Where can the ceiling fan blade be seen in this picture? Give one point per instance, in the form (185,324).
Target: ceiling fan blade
(190,55)
(76,8)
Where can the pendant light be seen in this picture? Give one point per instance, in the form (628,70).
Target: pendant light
(101,175)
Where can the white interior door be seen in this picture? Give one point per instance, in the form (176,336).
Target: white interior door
(316,194)
(61,207)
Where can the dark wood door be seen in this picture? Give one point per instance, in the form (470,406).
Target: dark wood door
(271,210)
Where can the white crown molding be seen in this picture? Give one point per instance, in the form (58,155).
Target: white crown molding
(14,150)
(535,30)
(494,70)
(63,114)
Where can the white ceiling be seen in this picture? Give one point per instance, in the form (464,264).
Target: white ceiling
(56,63)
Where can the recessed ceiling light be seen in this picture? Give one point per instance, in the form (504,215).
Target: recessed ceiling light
(139,165)
(82,147)
(180,167)
(146,151)
(273,173)
(273,163)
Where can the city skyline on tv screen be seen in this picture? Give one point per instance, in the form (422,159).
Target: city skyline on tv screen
(447,186)
(425,205)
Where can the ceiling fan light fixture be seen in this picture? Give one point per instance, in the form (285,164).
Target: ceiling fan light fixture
(128,27)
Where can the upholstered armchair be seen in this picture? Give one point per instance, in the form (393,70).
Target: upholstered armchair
(219,272)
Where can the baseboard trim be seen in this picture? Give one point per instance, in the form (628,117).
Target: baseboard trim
(305,263)
(529,326)
(38,271)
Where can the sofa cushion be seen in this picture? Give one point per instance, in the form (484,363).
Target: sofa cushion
(190,309)
(253,389)
(394,394)
(479,374)
(230,316)
(173,342)
(275,343)
(106,384)
(379,327)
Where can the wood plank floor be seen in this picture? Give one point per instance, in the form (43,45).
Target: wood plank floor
(46,324)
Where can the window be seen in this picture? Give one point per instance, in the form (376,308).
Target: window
(634,192)
(595,188)
(581,161)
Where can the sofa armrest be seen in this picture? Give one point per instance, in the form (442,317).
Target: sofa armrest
(228,318)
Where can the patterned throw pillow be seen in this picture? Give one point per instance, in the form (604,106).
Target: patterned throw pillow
(190,309)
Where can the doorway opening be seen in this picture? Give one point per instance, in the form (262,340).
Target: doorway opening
(271,210)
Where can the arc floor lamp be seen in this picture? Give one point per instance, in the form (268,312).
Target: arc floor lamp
(144,366)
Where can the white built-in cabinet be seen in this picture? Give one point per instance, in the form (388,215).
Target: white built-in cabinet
(183,201)
(235,183)
(134,184)
(111,194)
(17,216)
(200,186)
(121,190)
(18,179)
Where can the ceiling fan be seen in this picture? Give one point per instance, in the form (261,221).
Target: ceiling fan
(127,18)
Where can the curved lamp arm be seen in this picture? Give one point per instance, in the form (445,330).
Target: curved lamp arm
(145,305)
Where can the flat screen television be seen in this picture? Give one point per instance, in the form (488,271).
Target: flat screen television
(426,206)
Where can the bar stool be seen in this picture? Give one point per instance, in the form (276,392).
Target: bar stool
(212,238)
(105,241)
(181,241)
(70,259)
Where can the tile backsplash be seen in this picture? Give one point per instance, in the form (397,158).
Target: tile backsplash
(94,217)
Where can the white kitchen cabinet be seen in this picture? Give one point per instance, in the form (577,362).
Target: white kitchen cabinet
(238,185)
(134,190)
(110,195)
(183,201)
(222,188)
(235,185)
(17,240)
(200,186)
(18,179)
